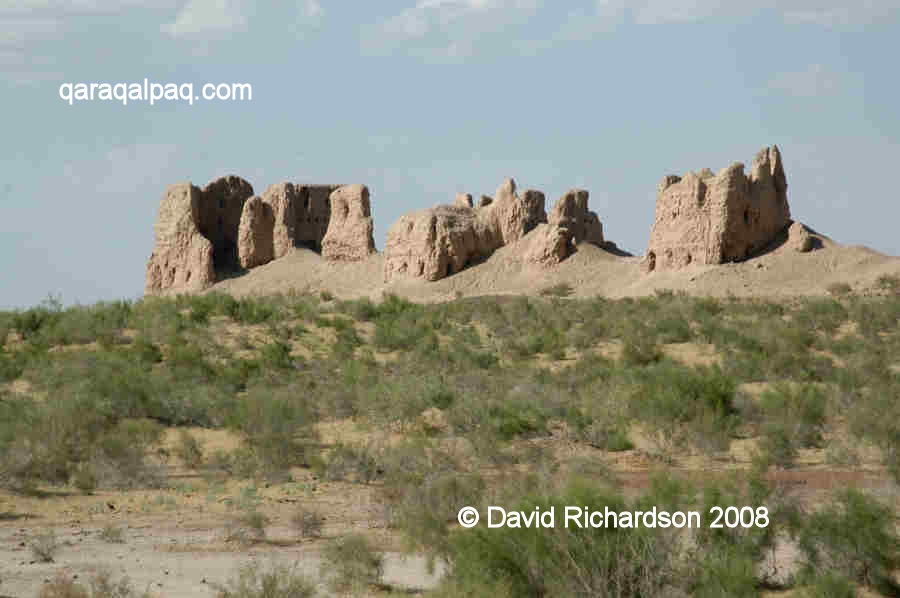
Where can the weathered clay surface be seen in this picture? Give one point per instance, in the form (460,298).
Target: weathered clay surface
(799,238)
(440,241)
(703,218)
(196,234)
(548,245)
(349,236)
(513,215)
(437,242)
(571,211)
(255,234)
(464,200)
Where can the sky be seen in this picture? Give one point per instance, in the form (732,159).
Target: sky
(423,99)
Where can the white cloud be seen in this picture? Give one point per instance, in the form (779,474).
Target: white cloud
(814,82)
(449,29)
(827,13)
(312,9)
(199,18)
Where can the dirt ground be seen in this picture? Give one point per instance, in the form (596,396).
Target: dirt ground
(174,541)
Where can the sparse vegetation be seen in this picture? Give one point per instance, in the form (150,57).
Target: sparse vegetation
(352,564)
(543,387)
(112,534)
(101,585)
(44,546)
(254,581)
(308,522)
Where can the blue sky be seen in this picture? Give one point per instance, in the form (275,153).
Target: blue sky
(419,100)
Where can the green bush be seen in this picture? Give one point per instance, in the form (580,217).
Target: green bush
(101,585)
(189,450)
(278,581)
(853,536)
(247,528)
(562,561)
(888,282)
(44,546)
(308,522)
(352,564)
(277,425)
(676,402)
(793,418)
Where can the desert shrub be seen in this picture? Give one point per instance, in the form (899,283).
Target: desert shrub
(839,289)
(12,364)
(828,585)
(562,561)
(44,546)
(277,355)
(308,522)
(822,314)
(247,527)
(101,585)
(145,351)
(672,328)
(608,436)
(794,418)
(31,322)
(278,581)
(516,418)
(112,534)
(558,290)
(85,478)
(853,536)
(676,402)
(249,310)
(347,462)
(422,501)
(276,424)
(352,564)
(888,282)
(189,449)
(639,348)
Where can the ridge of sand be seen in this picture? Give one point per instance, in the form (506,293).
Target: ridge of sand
(780,271)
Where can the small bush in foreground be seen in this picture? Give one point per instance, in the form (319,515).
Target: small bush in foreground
(247,528)
(44,546)
(189,449)
(101,585)
(276,582)
(112,534)
(855,537)
(308,523)
(352,564)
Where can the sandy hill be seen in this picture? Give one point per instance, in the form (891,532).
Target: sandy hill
(589,271)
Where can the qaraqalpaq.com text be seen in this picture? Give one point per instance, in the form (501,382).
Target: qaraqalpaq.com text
(152,93)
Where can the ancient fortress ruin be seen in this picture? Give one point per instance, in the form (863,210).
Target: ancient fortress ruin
(706,218)
(205,235)
(440,241)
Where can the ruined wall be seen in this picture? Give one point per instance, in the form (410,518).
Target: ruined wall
(313,215)
(706,218)
(202,235)
(302,214)
(440,241)
(196,234)
(349,236)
